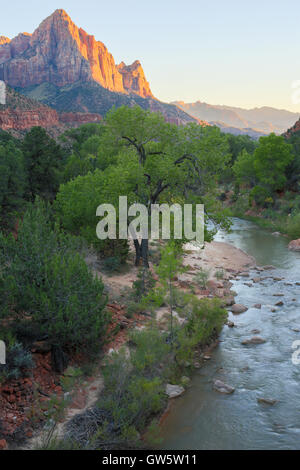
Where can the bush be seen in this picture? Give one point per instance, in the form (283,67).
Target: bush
(293,226)
(201,278)
(205,319)
(46,286)
(111,264)
(133,395)
(18,361)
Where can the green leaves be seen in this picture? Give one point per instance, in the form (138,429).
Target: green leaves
(43,162)
(12,181)
(44,277)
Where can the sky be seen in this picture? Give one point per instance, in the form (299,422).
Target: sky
(232,52)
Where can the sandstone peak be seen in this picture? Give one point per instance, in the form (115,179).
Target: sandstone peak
(60,53)
(4,40)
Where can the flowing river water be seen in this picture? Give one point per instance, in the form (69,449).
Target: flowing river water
(205,419)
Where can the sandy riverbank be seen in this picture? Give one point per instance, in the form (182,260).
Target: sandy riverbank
(215,256)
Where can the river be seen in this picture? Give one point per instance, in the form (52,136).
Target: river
(204,419)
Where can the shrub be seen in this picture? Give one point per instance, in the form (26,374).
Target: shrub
(111,264)
(144,283)
(205,320)
(201,278)
(293,226)
(18,361)
(46,286)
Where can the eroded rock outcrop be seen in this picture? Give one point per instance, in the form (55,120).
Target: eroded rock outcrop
(134,80)
(21,113)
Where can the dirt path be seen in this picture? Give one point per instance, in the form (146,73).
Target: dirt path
(215,256)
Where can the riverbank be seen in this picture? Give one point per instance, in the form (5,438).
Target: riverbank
(260,414)
(216,258)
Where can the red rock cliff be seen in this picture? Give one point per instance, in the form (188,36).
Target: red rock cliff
(59,52)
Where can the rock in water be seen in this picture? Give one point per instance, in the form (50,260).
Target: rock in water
(236,309)
(266,401)
(222,387)
(174,391)
(294,245)
(254,340)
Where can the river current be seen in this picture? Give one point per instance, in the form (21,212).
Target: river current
(205,419)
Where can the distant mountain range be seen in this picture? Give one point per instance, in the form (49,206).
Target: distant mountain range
(255,122)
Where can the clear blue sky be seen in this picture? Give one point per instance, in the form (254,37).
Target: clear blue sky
(240,53)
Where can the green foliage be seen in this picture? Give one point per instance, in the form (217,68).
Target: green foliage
(205,319)
(111,264)
(143,285)
(44,275)
(43,162)
(244,170)
(270,161)
(239,144)
(201,277)
(149,161)
(18,362)
(219,274)
(12,182)
(293,226)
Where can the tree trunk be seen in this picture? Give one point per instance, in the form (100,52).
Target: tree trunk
(145,251)
(137,252)
(141,252)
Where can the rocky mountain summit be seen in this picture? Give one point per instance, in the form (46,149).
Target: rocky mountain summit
(60,53)
(63,67)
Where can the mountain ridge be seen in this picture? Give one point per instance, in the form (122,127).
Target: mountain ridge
(61,53)
(65,68)
(264,120)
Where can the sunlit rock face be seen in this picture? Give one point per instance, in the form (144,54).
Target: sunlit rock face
(59,52)
(134,80)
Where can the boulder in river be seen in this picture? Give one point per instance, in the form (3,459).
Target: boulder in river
(268,267)
(294,245)
(174,391)
(258,306)
(230,324)
(236,309)
(279,303)
(222,387)
(254,340)
(266,401)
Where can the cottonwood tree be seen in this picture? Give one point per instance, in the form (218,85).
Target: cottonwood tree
(151,162)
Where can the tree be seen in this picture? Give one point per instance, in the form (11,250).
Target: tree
(170,265)
(244,170)
(293,169)
(149,161)
(43,163)
(271,158)
(46,287)
(12,181)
